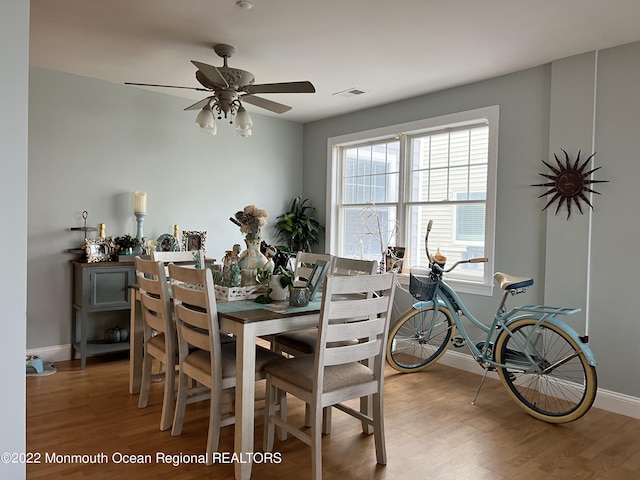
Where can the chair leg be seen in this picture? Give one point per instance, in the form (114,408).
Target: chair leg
(316,442)
(145,381)
(326,420)
(213,437)
(378,429)
(181,404)
(168,401)
(281,403)
(269,411)
(366,407)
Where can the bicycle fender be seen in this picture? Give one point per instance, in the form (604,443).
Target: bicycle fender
(588,354)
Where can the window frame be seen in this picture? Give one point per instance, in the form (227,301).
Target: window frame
(403,132)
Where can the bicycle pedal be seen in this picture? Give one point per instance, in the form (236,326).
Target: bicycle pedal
(458,342)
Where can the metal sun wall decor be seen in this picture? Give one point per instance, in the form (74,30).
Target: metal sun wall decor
(569,183)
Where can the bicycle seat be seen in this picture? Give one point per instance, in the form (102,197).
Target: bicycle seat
(510,282)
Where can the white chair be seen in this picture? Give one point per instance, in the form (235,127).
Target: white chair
(335,374)
(303,342)
(159,334)
(202,356)
(179,258)
(304,266)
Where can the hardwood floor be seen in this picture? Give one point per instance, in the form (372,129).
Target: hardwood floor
(432,430)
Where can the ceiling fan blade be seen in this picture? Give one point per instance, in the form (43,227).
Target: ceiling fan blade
(211,73)
(274,107)
(285,87)
(199,105)
(167,86)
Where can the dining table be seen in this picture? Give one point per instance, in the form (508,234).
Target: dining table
(247,321)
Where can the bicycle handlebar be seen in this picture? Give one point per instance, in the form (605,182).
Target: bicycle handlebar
(432,262)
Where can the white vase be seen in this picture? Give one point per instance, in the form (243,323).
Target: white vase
(278,292)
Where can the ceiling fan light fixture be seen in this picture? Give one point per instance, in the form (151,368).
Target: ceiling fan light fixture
(243,120)
(206,121)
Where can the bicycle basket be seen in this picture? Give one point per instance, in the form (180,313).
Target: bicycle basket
(421,285)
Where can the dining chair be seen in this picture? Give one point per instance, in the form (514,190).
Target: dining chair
(203,358)
(303,342)
(159,334)
(337,372)
(180,257)
(304,266)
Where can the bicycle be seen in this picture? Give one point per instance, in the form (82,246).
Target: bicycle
(546,367)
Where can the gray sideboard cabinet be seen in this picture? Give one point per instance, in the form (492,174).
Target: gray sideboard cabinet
(98,287)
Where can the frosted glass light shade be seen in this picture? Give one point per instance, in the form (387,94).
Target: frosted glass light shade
(206,121)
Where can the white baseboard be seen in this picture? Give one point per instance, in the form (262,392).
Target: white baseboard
(54,353)
(605,399)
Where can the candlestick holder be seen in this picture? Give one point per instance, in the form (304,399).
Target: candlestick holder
(140,232)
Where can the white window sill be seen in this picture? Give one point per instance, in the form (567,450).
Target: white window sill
(458,285)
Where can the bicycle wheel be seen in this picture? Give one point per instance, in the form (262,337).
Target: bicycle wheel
(563,389)
(419,338)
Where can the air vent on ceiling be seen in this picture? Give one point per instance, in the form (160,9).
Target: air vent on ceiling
(350,92)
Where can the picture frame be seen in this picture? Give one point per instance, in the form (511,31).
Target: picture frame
(394,259)
(317,277)
(99,249)
(167,243)
(193,240)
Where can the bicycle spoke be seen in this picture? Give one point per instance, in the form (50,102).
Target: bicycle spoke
(418,339)
(546,372)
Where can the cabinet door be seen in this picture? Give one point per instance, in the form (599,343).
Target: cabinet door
(109,288)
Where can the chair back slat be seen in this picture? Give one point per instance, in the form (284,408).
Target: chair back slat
(353,266)
(341,332)
(353,309)
(351,353)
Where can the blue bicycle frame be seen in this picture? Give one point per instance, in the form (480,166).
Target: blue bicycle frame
(446,297)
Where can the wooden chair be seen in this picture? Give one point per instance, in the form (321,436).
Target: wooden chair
(179,258)
(202,356)
(159,334)
(304,265)
(303,342)
(335,374)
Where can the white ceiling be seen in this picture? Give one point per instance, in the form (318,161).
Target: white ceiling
(390,49)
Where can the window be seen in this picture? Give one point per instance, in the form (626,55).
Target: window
(386,185)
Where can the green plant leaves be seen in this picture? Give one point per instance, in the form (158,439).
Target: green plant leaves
(297,228)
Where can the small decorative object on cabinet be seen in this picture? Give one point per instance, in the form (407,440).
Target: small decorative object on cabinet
(84,229)
(98,287)
(167,243)
(192,240)
(99,249)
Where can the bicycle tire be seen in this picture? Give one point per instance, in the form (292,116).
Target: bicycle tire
(408,349)
(560,395)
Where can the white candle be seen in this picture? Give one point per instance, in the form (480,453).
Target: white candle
(141,202)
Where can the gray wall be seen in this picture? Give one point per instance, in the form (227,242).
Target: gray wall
(542,110)
(92,144)
(14,57)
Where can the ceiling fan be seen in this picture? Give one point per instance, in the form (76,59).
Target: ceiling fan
(230,87)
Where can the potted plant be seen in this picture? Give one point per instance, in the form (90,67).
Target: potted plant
(299,230)
(126,244)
